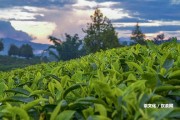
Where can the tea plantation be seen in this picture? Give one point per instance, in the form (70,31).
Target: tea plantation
(128,83)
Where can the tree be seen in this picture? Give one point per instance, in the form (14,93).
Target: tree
(26,51)
(137,35)
(172,39)
(66,50)
(100,34)
(1,45)
(159,38)
(13,50)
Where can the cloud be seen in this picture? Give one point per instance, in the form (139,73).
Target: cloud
(38,29)
(6,30)
(36,3)
(71,19)
(70,16)
(149,9)
(68,21)
(150,23)
(152,10)
(19,13)
(175,2)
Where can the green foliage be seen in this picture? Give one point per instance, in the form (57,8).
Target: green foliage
(1,45)
(100,34)
(8,63)
(137,35)
(108,85)
(13,50)
(26,51)
(68,49)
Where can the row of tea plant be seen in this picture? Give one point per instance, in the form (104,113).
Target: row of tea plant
(114,84)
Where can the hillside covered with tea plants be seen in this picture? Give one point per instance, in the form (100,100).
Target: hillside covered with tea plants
(115,84)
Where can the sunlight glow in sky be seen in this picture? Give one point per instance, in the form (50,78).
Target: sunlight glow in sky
(38,30)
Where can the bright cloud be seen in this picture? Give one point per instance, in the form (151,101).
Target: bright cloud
(115,13)
(39,30)
(108,4)
(8,31)
(81,3)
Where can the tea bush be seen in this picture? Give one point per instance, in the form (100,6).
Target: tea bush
(115,84)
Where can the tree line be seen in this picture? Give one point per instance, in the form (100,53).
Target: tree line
(139,37)
(99,35)
(23,51)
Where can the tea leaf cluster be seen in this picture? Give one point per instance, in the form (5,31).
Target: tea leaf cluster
(113,84)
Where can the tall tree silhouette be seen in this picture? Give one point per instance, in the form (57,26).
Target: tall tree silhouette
(137,35)
(159,38)
(100,33)
(66,50)
(13,50)
(26,51)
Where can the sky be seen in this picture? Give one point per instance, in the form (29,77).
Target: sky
(35,20)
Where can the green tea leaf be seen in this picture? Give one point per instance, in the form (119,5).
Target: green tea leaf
(32,104)
(101,109)
(175,74)
(168,63)
(2,88)
(73,87)
(97,117)
(135,65)
(19,90)
(87,112)
(151,79)
(167,88)
(18,99)
(57,110)
(65,115)
(105,89)
(39,92)
(131,77)
(19,111)
(91,99)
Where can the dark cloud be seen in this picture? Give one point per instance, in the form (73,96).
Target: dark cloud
(37,3)
(7,31)
(149,9)
(143,11)
(154,10)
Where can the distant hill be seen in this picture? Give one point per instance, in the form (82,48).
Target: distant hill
(37,47)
